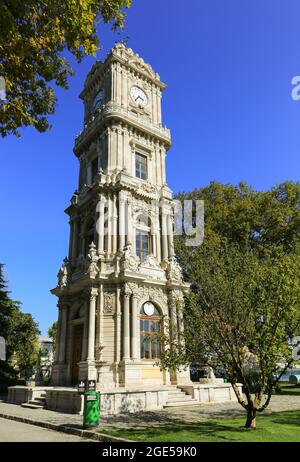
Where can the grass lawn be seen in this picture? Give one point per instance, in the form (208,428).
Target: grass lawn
(275,427)
(288,389)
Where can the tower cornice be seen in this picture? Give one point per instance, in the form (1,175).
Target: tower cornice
(127,58)
(113,111)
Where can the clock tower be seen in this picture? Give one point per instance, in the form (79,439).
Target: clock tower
(121,282)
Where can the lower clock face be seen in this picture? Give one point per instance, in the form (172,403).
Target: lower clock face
(148,308)
(139,96)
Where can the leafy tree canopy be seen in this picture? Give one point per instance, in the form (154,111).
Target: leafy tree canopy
(251,218)
(52,332)
(20,332)
(33,36)
(244,304)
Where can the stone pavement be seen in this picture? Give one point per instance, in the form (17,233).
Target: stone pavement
(11,432)
(168,416)
(197,413)
(66,423)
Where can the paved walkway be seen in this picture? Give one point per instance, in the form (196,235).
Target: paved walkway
(197,413)
(168,416)
(19,432)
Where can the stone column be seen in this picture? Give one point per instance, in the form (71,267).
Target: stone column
(58,336)
(92,316)
(173,313)
(153,243)
(100,224)
(180,328)
(129,222)
(126,326)
(163,167)
(157,233)
(158,106)
(115,224)
(170,236)
(122,222)
(154,104)
(164,234)
(101,319)
(74,239)
(63,335)
(118,327)
(109,226)
(113,90)
(134,328)
(71,224)
(85,333)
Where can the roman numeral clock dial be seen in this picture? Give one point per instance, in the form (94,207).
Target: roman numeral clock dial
(138,96)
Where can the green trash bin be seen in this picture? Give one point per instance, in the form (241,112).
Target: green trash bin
(91,410)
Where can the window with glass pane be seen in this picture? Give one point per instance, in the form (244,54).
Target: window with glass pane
(149,330)
(140,166)
(142,244)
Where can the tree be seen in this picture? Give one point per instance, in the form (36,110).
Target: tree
(35,37)
(26,347)
(20,332)
(251,218)
(244,304)
(52,332)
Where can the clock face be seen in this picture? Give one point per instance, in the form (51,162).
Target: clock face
(98,99)
(148,308)
(139,96)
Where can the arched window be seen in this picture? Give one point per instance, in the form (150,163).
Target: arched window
(143,237)
(150,327)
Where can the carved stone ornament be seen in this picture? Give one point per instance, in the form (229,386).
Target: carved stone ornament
(147,188)
(152,262)
(92,261)
(176,298)
(63,274)
(109,302)
(152,294)
(129,261)
(134,60)
(174,271)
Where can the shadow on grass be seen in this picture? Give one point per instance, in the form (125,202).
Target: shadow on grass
(160,418)
(285,417)
(200,431)
(270,427)
(288,390)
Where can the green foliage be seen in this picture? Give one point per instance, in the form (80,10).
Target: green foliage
(251,218)
(244,304)
(33,36)
(52,332)
(21,334)
(26,347)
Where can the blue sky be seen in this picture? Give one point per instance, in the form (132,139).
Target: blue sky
(228,65)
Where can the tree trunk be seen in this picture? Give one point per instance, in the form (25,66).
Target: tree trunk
(251,419)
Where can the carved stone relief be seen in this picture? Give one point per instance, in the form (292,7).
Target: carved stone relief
(109,302)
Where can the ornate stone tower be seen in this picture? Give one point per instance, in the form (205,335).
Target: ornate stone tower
(121,277)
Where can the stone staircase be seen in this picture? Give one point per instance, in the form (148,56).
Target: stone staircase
(36,403)
(178,398)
